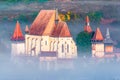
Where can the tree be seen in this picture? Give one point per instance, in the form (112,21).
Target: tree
(83,41)
(95,16)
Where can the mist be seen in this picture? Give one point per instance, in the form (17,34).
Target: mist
(82,68)
(79,69)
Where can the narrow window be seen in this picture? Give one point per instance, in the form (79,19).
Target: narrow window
(45,42)
(62,48)
(68,48)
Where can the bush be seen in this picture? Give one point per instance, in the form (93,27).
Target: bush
(83,41)
(22,17)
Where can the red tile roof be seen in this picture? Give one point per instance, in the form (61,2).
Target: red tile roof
(65,31)
(61,30)
(87,28)
(98,35)
(87,19)
(17,35)
(44,24)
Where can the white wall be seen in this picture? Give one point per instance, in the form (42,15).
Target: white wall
(46,43)
(17,48)
(98,50)
(32,45)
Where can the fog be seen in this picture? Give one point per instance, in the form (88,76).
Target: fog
(82,68)
(79,69)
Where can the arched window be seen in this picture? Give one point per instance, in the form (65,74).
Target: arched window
(62,48)
(68,48)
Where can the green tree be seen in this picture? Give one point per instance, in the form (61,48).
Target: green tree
(83,41)
(95,16)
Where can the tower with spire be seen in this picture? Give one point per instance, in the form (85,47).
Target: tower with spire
(87,27)
(108,42)
(97,44)
(17,45)
(56,16)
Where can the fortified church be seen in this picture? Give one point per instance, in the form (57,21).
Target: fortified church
(48,38)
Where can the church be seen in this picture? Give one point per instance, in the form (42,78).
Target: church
(48,38)
(102,46)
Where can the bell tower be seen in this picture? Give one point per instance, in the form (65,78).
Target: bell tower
(108,43)
(17,44)
(98,44)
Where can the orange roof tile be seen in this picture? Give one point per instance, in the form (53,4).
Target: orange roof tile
(65,31)
(98,35)
(17,35)
(61,30)
(44,24)
(87,19)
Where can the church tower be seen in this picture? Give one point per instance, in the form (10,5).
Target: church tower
(97,44)
(108,43)
(56,17)
(87,27)
(17,45)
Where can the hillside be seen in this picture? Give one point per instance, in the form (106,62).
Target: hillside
(109,9)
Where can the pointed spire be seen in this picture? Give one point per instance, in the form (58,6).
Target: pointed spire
(107,38)
(17,35)
(98,35)
(56,16)
(87,21)
(107,33)
(87,27)
(27,29)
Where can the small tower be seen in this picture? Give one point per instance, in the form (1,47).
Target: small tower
(17,45)
(56,17)
(26,29)
(108,43)
(97,44)
(87,27)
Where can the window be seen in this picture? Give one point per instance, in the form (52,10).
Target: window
(45,42)
(68,48)
(62,48)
